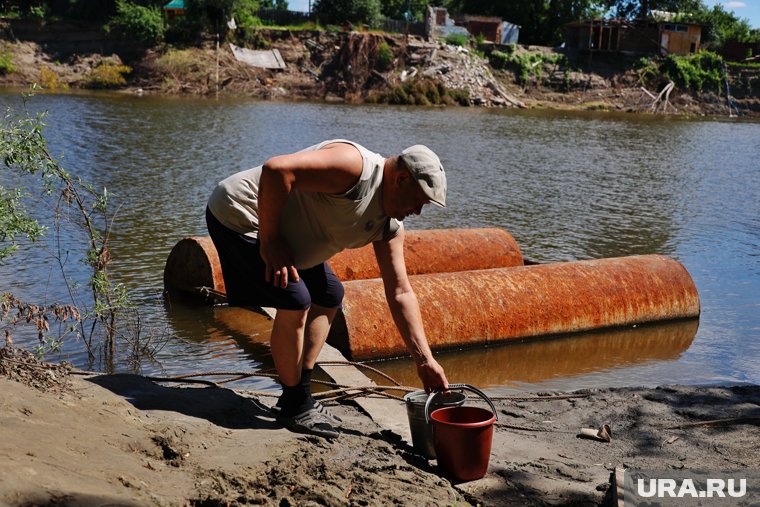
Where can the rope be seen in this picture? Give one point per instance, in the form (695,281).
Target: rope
(338,392)
(360,365)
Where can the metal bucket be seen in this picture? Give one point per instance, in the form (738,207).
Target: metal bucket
(422,436)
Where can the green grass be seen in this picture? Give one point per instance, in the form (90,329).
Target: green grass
(525,64)
(456,39)
(6,62)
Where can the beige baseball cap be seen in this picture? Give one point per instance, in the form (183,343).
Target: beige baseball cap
(427,169)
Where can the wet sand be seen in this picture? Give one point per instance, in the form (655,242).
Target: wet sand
(125,440)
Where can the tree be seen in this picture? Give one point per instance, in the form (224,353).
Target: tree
(24,153)
(349,11)
(398,9)
(631,9)
(146,24)
(720,26)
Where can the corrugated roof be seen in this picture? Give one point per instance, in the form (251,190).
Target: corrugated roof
(175,4)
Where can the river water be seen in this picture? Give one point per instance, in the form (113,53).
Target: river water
(567,185)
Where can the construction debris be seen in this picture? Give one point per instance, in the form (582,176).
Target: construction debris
(265,59)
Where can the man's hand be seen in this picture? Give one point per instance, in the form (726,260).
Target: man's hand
(280,263)
(432,375)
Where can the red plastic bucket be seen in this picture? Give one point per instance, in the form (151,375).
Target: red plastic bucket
(462,437)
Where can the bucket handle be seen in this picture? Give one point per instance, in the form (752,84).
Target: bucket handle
(463,387)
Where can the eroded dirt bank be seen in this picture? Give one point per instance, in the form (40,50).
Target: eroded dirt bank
(124,440)
(360,67)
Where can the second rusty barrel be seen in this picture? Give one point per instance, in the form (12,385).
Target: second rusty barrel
(477,307)
(436,251)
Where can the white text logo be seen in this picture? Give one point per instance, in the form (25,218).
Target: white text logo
(671,488)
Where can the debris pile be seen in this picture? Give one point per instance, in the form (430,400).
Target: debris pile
(22,366)
(460,69)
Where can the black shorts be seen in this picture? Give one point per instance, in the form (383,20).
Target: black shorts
(243,270)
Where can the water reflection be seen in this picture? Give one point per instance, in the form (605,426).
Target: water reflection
(539,360)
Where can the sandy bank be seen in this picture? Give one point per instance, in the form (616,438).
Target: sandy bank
(123,439)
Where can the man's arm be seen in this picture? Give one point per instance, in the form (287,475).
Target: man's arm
(406,310)
(333,169)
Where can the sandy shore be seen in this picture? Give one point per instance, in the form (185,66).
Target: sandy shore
(125,440)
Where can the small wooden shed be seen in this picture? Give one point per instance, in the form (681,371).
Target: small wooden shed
(639,36)
(489,27)
(679,38)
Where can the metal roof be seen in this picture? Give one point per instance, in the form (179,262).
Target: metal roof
(175,4)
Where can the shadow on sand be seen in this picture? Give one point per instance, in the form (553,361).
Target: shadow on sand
(220,406)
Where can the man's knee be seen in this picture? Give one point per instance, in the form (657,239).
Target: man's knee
(292,319)
(332,297)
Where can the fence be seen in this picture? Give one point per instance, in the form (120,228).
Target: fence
(400,26)
(283,17)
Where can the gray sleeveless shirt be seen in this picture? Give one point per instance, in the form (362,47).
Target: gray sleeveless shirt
(316,225)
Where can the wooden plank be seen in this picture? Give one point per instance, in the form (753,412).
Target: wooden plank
(387,413)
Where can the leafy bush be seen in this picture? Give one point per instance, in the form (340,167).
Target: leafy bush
(146,24)
(525,64)
(456,39)
(384,57)
(698,72)
(250,37)
(6,62)
(108,75)
(49,80)
(244,12)
(349,11)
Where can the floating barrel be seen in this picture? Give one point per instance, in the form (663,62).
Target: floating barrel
(436,251)
(477,307)
(193,262)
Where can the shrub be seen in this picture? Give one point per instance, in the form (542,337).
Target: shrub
(146,24)
(108,75)
(384,57)
(250,37)
(456,39)
(49,80)
(524,65)
(6,62)
(698,72)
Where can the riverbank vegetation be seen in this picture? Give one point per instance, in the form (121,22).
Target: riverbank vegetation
(46,198)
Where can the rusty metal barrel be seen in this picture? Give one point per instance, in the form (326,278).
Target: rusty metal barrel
(436,251)
(192,265)
(193,262)
(478,307)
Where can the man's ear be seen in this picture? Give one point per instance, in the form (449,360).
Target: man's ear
(402,176)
